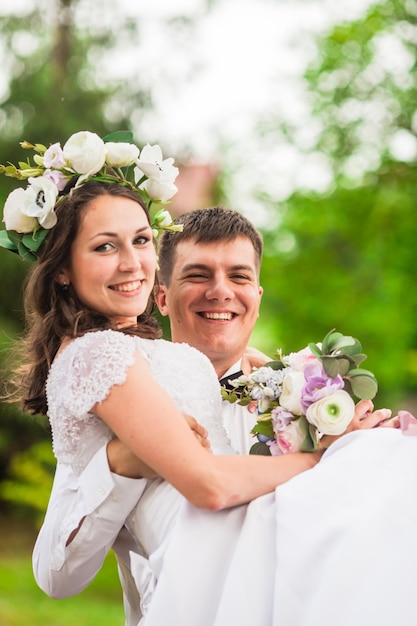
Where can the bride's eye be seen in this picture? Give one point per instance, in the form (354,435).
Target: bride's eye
(104,247)
(141,240)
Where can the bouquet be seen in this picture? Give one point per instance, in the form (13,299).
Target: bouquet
(305,395)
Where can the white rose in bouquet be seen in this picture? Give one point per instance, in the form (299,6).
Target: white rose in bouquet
(290,398)
(332,414)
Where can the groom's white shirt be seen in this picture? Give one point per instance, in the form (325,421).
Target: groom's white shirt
(105,500)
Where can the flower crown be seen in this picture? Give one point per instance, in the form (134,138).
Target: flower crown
(29,213)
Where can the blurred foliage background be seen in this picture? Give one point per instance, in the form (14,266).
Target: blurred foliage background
(343,258)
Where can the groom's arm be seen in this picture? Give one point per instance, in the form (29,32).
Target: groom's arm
(96,505)
(85,515)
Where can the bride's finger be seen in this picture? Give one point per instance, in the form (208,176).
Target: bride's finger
(371,420)
(393,422)
(363,409)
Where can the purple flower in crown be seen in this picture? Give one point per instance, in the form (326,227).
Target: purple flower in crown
(318,385)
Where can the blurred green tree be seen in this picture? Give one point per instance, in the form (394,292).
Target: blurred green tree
(345,258)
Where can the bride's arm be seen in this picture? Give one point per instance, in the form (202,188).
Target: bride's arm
(122,461)
(208,481)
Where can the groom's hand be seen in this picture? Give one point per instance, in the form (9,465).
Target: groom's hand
(253,358)
(199,431)
(124,463)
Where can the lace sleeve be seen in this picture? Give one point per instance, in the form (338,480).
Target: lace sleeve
(88,369)
(81,376)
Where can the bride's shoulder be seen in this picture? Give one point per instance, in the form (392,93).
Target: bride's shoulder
(102,340)
(182,350)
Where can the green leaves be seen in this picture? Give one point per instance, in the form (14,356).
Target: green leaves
(264,428)
(362,383)
(119,136)
(342,355)
(260,448)
(25,245)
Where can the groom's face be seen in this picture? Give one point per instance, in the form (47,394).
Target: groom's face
(213,299)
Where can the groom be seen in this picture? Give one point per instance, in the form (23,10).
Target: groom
(209,287)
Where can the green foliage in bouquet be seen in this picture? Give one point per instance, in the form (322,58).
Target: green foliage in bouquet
(342,355)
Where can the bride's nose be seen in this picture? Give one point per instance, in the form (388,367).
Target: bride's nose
(129,260)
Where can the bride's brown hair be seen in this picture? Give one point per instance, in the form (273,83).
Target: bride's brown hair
(52,311)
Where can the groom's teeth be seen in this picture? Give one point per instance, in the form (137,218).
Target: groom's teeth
(218,316)
(129,287)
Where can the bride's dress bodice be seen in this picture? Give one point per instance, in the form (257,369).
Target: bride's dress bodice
(83,374)
(85,371)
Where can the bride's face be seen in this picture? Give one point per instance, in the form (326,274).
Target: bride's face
(113,259)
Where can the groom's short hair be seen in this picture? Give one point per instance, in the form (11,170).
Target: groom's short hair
(208,225)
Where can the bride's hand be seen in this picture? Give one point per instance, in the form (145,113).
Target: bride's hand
(199,431)
(365,417)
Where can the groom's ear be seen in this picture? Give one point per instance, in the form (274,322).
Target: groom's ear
(161,300)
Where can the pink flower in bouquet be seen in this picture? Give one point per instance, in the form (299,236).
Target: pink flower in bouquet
(299,360)
(288,440)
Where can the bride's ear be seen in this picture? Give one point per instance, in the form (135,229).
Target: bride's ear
(62,278)
(161,300)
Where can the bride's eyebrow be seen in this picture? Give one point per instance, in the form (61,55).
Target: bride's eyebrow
(111,234)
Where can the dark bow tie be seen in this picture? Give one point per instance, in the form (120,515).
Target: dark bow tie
(225,382)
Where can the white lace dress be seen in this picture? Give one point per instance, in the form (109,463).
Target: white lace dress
(82,375)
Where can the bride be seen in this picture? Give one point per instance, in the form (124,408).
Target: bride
(96,368)
(86,302)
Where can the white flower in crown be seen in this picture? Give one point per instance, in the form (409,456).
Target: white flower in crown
(25,207)
(13,217)
(85,156)
(159,190)
(41,195)
(152,165)
(85,153)
(119,154)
